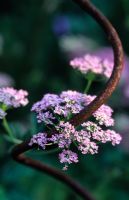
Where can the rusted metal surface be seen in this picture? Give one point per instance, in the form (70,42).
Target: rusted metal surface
(118,62)
(19,150)
(18,156)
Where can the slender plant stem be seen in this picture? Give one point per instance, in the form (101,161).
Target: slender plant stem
(89,83)
(90,78)
(51,151)
(7,128)
(10,137)
(47,152)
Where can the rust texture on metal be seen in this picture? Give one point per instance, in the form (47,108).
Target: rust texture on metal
(19,150)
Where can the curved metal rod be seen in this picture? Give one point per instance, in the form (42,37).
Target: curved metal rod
(19,150)
(118,62)
(18,156)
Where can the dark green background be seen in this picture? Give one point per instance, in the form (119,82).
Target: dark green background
(31,54)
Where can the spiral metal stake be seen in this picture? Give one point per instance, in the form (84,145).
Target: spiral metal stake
(18,152)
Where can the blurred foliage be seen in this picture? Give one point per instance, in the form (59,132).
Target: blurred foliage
(30,52)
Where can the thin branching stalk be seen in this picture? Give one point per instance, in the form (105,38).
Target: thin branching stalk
(19,150)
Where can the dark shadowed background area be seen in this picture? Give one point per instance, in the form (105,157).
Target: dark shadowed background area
(37,40)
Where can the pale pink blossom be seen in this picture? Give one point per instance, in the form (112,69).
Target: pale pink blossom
(13,98)
(94,64)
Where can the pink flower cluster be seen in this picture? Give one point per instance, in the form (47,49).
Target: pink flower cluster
(53,107)
(55,111)
(67,156)
(40,139)
(94,64)
(10,97)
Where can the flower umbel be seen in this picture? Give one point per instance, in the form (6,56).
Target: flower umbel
(68,157)
(40,139)
(94,64)
(54,111)
(10,97)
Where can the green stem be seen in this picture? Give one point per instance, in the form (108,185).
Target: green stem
(88,86)
(76,144)
(47,151)
(90,79)
(10,137)
(52,151)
